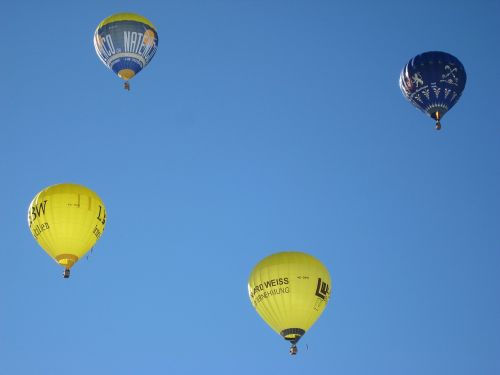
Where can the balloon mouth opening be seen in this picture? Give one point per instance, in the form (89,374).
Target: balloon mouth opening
(436,112)
(292,334)
(126,74)
(66,260)
(436,115)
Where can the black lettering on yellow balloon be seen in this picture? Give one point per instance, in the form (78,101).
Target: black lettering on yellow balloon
(103,213)
(39,228)
(36,211)
(322,289)
(97,232)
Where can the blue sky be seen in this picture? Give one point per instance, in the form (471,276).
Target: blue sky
(259,126)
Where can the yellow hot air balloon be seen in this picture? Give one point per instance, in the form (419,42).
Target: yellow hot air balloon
(66,220)
(290,290)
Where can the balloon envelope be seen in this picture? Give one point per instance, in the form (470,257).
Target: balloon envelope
(289,290)
(66,220)
(126,43)
(433,82)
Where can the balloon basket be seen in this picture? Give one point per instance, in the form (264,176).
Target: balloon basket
(437,116)
(126,86)
(294,350)
(66,273)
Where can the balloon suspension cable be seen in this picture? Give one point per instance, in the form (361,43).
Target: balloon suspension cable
(66,273)
(438,122)
(126,86)
(293,349)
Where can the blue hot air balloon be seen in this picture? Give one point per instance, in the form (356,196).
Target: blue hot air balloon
(126,43)
(433,82)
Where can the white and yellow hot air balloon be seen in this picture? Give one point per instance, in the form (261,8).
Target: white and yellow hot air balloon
(290,290)
(67,220)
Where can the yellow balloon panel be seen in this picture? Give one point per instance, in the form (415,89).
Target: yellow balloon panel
(290,290)
(66,220)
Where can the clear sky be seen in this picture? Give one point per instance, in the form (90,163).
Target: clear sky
(259,126)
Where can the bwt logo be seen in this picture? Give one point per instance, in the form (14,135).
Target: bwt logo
(322,289)
(37,211)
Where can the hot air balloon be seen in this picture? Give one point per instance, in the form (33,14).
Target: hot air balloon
(290,290)
(433,82)
(66,220)
(126,43)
